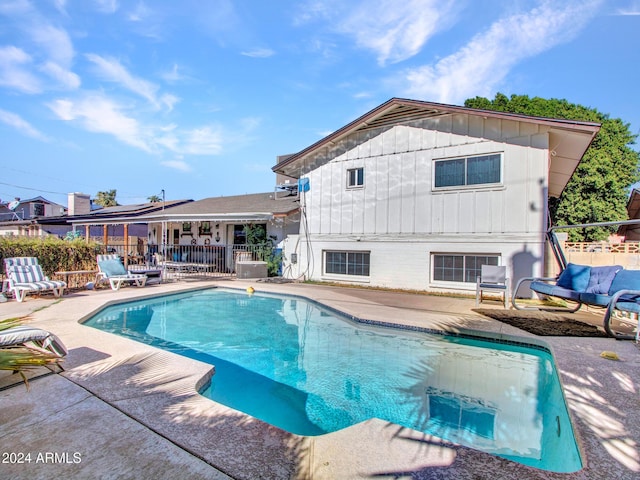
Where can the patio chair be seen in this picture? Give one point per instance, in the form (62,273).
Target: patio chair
(24,275)
(493,278)
(33,338)
(111,269)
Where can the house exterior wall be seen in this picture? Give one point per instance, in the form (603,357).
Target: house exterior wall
(401,219)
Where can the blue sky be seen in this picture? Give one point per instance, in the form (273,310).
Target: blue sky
(199,97)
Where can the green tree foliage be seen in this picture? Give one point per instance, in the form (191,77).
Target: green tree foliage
(598,190)
(106,199)
(154,199)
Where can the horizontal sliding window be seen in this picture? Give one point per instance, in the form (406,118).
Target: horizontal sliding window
(460,268)
(479,170)
(347,263)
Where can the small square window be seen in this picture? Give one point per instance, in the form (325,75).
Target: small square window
(355,177)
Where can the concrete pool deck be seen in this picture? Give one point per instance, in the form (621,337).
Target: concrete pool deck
(126,410)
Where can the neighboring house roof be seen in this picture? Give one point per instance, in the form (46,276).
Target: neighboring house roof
(633,210)
(122,213)
(569,139)
(238,208)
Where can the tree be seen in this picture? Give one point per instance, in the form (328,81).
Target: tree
(106,199)
(598,189)
(154,199)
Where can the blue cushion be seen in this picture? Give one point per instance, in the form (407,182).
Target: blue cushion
(554,291)
(601,277)
(625,280)
(112,267)
(595,299)
(575,277)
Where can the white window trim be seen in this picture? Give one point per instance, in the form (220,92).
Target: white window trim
(354,187)
(457,285)
(344,277)
(478,186)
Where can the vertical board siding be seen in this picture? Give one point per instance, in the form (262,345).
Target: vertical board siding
(402,220)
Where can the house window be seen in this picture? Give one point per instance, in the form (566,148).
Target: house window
(460,268)
(480,170)
(347,263)
(38,209)
(355,177)
(186,227)
(204,229)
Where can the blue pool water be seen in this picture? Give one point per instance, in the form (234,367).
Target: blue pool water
(301,367)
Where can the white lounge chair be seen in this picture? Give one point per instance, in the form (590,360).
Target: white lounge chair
(33,338)
(24,275)
(111,268)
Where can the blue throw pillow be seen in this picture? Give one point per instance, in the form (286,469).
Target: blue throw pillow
(575,277)
(112,267)
(601,278)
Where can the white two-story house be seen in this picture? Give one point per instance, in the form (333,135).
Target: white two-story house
(417,195)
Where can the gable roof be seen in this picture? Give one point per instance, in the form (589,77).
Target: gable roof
(570,138)
(238,208)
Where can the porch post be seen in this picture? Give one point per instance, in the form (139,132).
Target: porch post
(105,235)
(126,245)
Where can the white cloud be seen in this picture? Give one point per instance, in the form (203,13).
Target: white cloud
(396,29)
(486,60)
(173,75)
(206,140)
(112,70)
(139,13)
(24,127)
(169,100)
(50,48)
(177,164)
(97,113)
(393,29)
(107,6)
(15,73)
(63,77)
(54,41)
(259,53)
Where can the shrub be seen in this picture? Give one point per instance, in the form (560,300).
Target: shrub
(52,253)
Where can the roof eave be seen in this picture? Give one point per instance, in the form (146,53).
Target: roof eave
(589,128)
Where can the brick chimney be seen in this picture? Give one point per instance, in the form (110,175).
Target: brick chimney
(78,204)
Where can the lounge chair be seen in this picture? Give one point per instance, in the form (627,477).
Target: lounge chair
(24,275)
(33,338)
(111,269)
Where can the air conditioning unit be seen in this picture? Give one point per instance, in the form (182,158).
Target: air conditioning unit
(246,269)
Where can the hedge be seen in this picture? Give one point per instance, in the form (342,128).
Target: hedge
(52,253)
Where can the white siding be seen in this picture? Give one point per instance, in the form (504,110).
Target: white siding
(399,216)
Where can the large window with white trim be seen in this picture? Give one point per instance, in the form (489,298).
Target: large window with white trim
(347,263)
(468,171)
(448,267)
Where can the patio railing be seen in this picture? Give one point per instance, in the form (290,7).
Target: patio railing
(178,261)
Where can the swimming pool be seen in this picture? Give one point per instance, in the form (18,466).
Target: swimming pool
(297,365)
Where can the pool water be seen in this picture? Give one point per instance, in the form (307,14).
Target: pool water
(301,367)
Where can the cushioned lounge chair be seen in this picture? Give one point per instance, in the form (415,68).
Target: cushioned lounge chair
(24,275)
(111,269)
(33,338)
